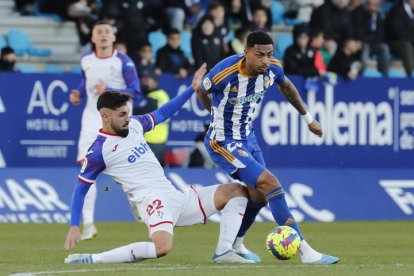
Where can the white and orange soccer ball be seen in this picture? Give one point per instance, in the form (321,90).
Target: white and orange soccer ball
(283,242)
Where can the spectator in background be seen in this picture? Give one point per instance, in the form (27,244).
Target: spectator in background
(316,42)
(238,12)
(218,13)
(206,43)
(334,17)
(302,9)
(176,12)
(156,97)
(199,156)
(121,47)
(133,19)
(24,7)
(400,33)
(328,48)
(266,4)
(345,62)
(171,59)
(299,57)
(260,20)
(144,61)
(239,42)
(369,28)
(7,59)
(84,13)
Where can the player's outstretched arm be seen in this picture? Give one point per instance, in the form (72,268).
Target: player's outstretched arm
(78,198)
(204,98)
(167,110)
(290,92)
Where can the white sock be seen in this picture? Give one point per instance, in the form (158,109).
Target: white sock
(307,253)
(133,252)
(89,205)
(239,246)
(230,222)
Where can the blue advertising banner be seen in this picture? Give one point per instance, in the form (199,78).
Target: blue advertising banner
(43,195)
(40,126)
(367,123)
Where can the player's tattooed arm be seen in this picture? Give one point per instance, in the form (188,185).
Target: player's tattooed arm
(291,94)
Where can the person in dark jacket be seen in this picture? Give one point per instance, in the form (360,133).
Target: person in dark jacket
(206,44)
(299,57)
(345,62)
(369,28)
(400,33)
(171,59)
(333,17)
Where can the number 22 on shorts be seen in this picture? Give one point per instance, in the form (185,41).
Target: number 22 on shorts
(155,205)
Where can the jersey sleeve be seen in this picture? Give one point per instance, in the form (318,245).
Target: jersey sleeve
(277,69)
(93,163)
(207,84)
(147,121)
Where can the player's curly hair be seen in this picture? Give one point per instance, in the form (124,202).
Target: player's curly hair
(258,37)
(112,100)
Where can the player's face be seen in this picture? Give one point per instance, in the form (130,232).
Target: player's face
(103,36)
(258,58)
(119,121)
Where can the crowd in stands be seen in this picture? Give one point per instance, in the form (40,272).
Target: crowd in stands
(340,36)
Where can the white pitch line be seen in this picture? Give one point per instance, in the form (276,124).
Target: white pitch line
(223,266)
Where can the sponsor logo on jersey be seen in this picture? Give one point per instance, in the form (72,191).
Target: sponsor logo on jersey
(137,152)
(242,100)
(207,84)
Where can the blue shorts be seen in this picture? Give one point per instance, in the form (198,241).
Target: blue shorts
(241,160)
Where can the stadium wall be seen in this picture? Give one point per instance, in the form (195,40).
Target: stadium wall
(362,169)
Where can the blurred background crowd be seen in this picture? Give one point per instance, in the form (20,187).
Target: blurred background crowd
(313,37)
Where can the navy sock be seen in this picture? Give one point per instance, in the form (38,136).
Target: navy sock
(252,209)
(280,210)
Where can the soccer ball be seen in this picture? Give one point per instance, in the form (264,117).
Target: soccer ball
(283,242)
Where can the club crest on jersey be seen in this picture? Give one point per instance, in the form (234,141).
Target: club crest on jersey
(207,84)
(242,153)
(266,82)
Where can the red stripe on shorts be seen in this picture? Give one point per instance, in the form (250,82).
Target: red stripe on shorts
(200,205)
(167,221)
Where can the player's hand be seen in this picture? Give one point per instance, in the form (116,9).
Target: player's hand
(198,77)
(315,128)
(99,88)
(73,237)
(75,97)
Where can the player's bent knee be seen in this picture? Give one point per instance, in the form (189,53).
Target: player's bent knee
(267,182)
(162,249)
(163,242)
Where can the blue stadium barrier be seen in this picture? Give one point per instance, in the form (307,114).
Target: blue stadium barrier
(3,42)
(185,41)
(43,195)
(22,44)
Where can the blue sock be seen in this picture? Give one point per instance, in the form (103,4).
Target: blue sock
(280,210)
(252,209)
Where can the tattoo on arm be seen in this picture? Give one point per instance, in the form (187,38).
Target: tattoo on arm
(291,94)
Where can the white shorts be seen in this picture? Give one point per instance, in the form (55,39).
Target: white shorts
(164,210)
(86,138)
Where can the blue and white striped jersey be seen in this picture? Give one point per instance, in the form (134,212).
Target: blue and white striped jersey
(235,96)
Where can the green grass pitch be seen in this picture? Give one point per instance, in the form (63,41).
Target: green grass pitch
(364,248)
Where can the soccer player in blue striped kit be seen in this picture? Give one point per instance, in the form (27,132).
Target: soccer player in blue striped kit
(231,91)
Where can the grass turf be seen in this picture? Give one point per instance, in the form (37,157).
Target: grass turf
(364,248)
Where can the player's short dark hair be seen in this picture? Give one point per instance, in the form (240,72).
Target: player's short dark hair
(102,22)
(258,37)
(112,100)
(7,50)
